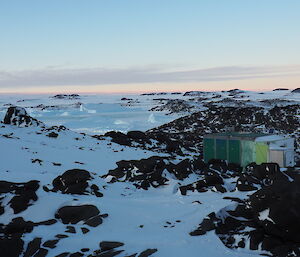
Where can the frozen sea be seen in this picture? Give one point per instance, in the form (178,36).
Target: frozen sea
(92,114)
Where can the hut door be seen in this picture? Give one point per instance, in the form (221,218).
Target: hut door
(277,156)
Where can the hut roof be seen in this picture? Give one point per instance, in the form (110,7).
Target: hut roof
(238,135)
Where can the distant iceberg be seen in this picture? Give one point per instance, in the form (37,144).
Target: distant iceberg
(151,118)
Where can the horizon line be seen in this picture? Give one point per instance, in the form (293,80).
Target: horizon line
(138,91)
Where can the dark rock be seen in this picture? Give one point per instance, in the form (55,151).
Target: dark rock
(95,190)
(173,106)
(46,222)
(61,236)
(296,90)
(65,254)
(24,193)
(181,170)
(137,135)
(234,199)
(280,89)
(33,247)
(147,252)
(77,254)
(199,164)
(220,188)
(110,253)
(144,173)
(109,245)
(71,229)
(72,182)
(50,243)
(85,230)
(66,96)
(256,237)
(18,226)
(94,221)
(119,138)
(18,116)
(208,224)
(213,179)
(269,219)
(52,134)
(256,176)
(41,253)
(75,214)
(11,247)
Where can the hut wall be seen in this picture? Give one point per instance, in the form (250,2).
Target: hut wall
(209,149)
(247,152)
(261,151)
(234,151)
(221,149)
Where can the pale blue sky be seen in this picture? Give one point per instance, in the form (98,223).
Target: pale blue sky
(68,36)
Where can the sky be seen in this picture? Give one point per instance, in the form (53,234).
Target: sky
(148,45)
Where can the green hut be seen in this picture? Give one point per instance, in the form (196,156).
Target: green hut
(244,148)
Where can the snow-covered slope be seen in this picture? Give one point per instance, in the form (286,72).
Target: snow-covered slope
(38,181)
(159,218)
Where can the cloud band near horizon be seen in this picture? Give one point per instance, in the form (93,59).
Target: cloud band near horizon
(99,76)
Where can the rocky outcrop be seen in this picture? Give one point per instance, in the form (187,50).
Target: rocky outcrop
(66,96)
(267,220)
(280,89)
(194,93)
(213,177)
(151,172)
(19,117)
(188,131)
(11,238)
(157,142)
(256,176)
(173,106)
(184,135)
(297,90)
(88,214)
(74,181)
(24,194)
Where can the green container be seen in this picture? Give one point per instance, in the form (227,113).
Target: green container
(234,148)
(261,150)
(209,149)
(221,149)
(248,152)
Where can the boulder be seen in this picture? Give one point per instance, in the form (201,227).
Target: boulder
(109,245)
(75,181)
(52,134)
(19,117)
(119,138)
(75,214)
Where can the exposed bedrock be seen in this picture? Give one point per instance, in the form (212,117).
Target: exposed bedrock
(19,117)
(267,220)
(75,181)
